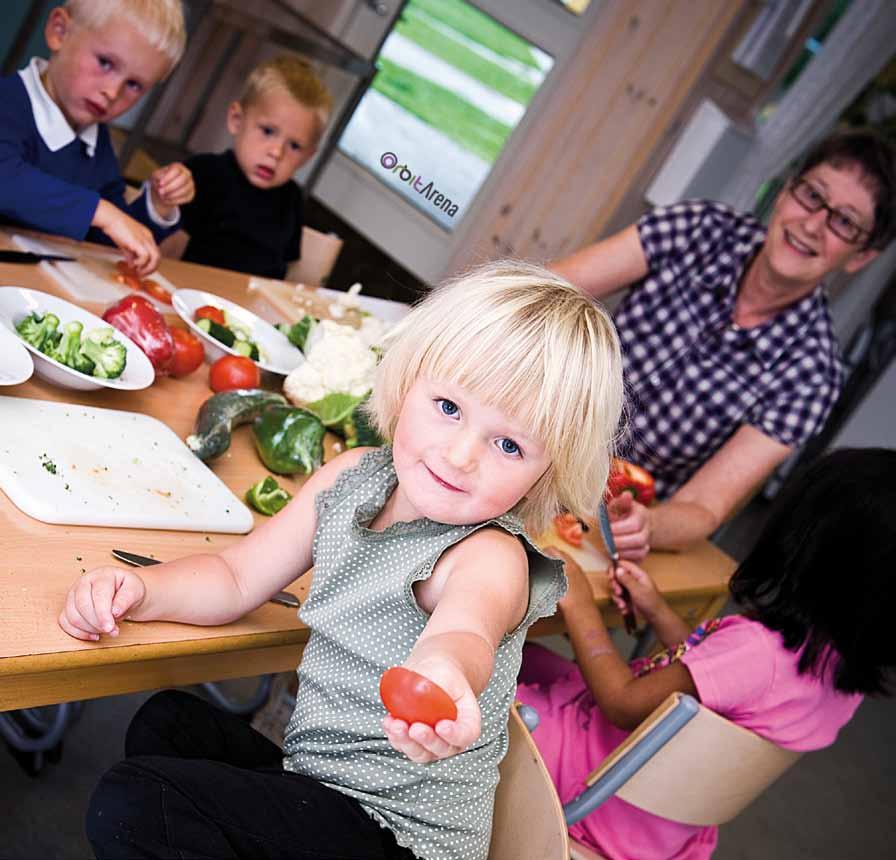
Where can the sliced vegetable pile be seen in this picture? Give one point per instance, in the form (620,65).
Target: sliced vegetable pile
(97,353)
(128,276)
(224,328)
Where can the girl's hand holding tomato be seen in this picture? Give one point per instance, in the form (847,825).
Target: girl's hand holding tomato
(420,741)
(234,371)
(188,352)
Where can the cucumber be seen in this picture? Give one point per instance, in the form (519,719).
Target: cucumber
(218,332)
(221,413)
(247,348)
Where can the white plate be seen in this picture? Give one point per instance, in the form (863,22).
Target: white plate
(280,356)
(17,302)
(16,365)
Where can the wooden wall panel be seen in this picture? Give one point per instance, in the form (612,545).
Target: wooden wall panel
(610,108)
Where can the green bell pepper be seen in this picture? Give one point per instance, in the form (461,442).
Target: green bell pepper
(289,440)
(357,431)
(267,497)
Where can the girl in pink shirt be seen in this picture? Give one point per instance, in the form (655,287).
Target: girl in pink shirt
(817,591)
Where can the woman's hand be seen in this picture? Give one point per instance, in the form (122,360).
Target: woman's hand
(646,599)
(171,186)
(423,743)
(98,599)
(630,522)
(137,241)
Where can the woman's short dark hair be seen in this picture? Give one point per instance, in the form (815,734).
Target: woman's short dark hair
(875,156)
(823,571)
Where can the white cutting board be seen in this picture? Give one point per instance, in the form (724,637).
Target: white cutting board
(112,468)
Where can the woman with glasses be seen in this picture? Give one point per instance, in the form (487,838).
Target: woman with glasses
(730,358)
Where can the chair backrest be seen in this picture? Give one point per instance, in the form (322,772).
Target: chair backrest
(528,822)
(705,774)
(319,254)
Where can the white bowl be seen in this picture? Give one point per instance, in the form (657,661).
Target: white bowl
(16,365)
(280,356)
(17,302)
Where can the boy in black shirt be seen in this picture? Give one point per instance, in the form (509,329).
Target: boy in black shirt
(247,213)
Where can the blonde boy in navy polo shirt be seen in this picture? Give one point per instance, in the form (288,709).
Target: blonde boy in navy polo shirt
(58,172)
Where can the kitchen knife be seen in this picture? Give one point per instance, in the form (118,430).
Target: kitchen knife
(285,598)
(628,613)
(10,256)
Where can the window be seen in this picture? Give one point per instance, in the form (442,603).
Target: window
(452,85)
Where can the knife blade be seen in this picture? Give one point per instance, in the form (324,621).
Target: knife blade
(628,613)
(11,256)
(284,598)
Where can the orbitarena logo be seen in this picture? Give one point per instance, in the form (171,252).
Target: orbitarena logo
(389,160)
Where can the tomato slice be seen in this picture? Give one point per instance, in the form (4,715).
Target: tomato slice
(210,312)
(569,528)
(156,290)
(409,696)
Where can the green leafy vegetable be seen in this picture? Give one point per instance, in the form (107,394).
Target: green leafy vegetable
(335,409)
(298,332)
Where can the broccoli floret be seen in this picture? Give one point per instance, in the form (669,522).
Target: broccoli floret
(68,350)
(40,331)
(108,354)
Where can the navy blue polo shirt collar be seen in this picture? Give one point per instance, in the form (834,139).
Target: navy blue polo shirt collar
(51,123)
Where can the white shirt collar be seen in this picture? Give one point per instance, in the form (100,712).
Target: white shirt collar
(51,123)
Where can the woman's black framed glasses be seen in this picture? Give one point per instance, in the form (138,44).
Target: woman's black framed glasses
(840,224)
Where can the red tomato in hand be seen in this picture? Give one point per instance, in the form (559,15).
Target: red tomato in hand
(188,352)
(569,528)
(409,696)
(210,312)
(234,371)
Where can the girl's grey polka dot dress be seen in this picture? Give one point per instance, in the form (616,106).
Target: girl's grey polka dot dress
(364,619)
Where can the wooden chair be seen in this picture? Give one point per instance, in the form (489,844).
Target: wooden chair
(684,763)
(717,767)
(319,254)
(528,821)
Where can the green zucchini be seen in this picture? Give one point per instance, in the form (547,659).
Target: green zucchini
(217,331)
(221,413)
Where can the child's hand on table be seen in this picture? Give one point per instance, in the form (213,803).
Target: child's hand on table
(171,186)
(98,599)
(423,743)
(137,242)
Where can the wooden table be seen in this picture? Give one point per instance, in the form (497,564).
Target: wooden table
(40,665)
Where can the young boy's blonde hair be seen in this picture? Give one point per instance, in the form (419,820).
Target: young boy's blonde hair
(160,22)
(298,78)
(527,342)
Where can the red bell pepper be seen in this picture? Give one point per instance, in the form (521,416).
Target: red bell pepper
(142,323)
(626,477)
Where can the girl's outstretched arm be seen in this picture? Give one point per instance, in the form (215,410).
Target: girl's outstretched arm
(477,593)
(206,589)
(624,699)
